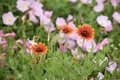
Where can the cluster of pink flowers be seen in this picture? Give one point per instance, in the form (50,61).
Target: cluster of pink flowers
(3,44)
(34,9)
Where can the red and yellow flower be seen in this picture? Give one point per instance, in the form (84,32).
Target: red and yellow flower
(38,48)
(86,31)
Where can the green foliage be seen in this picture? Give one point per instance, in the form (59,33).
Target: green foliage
(55,65)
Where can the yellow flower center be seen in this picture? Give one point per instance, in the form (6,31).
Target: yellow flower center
(9,19)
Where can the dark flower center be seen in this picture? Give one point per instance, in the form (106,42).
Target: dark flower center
(38,49)
(67,30)
(85,33)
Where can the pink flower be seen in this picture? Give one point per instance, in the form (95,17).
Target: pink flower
(87,45)
(32,17)
(22,5)
(48,13)
(116,17)
(37,7)
(62,48)
(74,51)
(115,2)
(99,7)
(104,22)
(86,1)
(12,34)
(100,76)
(73,1)
(2,42)
(45,20)
(2,56)
(99,46)
(104,42)
(69,18)
(20,41)
(71,43)
(1,33)
(8,18)
(92,78)
(49,27)
(112,66)
(60,22)
(15,48)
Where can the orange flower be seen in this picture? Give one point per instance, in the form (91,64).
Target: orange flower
(39,48)
(67,29)
(86,31)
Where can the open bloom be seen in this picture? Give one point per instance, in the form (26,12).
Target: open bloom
(39,48)
(8,18)
(22,5)
(104,22)
(85,31)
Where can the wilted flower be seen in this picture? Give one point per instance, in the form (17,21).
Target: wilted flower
(104,22)
(2,57)
(116,17)
(111,67)
(86,1)
(86,31)
(22,5)
(8,18)
(100,76)
(38,48)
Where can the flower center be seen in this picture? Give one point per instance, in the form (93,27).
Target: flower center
(23,6)
(67,30)
(9,19)
(85,33)
(38,49)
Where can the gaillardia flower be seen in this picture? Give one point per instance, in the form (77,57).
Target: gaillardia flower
(67,29)
(38,48)
(86,31)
